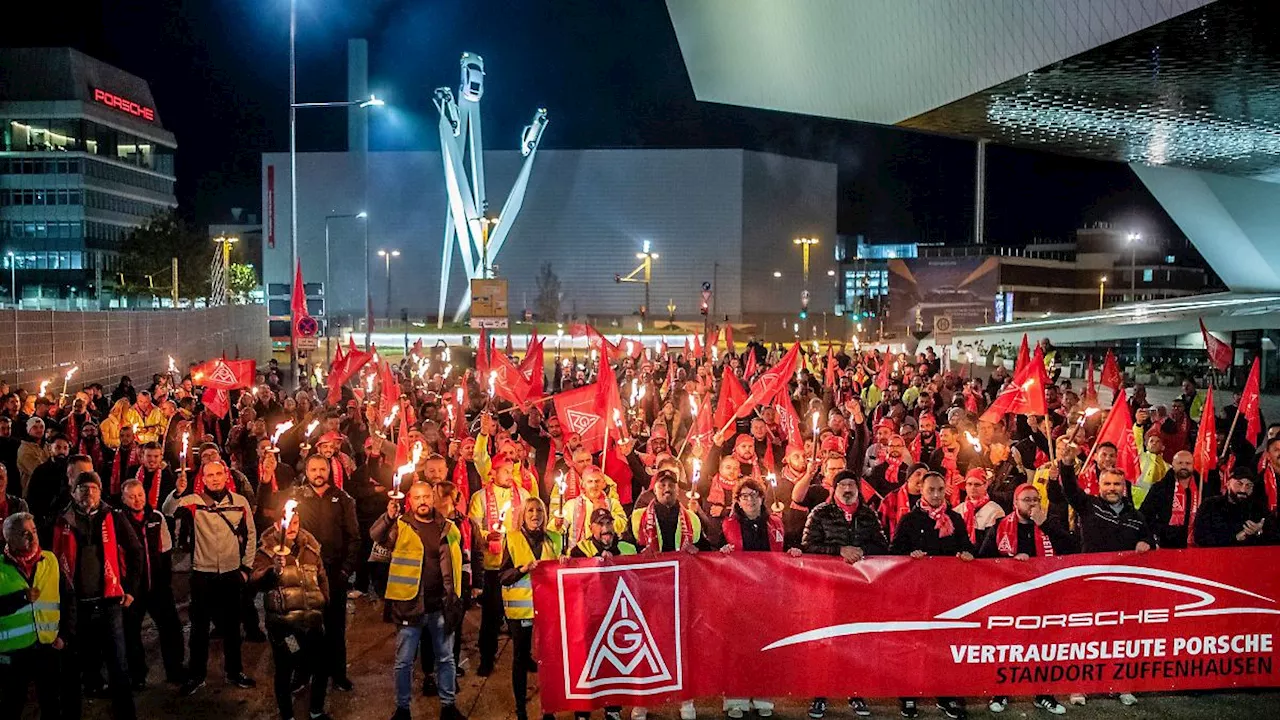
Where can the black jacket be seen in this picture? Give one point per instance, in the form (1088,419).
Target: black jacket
(916,531)
(1102,529)
(827,531)
(47,494)
(1219,519)
(332,520)
(1158,508)
(1058,537)
(157,543)
(88,573)
(435,586)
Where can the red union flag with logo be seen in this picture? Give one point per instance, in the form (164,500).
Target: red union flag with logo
(579,412)
(224,374)
(649,630)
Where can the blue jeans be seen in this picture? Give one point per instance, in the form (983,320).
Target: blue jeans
(407,640)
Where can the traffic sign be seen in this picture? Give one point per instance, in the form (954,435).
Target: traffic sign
(306,326)
(706,288)
(308,342)
(942,329)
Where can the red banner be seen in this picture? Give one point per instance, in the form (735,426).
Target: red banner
(650,630)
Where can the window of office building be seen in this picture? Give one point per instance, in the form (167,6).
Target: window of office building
(864,284)
(73,134)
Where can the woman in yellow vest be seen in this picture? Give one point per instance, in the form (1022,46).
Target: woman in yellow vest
(33,594)
(525,547)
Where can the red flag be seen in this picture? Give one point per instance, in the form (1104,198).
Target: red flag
(713,339)
(772,382)
(531,365)
(606,348)
(728,339)
(1024,395)
(460,400)
(703,430)
(608,402)
(404,448)
(732,394)
(789,421)
(749,368)
(416,349)
(298,301)
(1090,389)
(1110,377)
(829,376)
(1024,354)
(482,357)
(882,377)
(510,348)
(216,401)
(224,374)
(578,413)
(695,347)
(388,389)
(1118,430)
(1249,398)
(1205,455)
(508,382)
(1220,353)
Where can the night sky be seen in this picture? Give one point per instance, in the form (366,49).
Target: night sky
(609,72)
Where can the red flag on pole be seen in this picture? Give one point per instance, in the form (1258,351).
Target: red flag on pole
(772,382)
(829,376)
(1220,353)
(1249,400)
(578,413)
(1090,389)
(216,401)
(1118,430)
(789,421)
(703,429)
(608,401)
(510,349)
(482,358)
(1024,354)
(732,394)
(728,338)
(531,365)
(1110,377)
(508,382)
(1024,395)
(749,368)
(224,374)
(298,299)
(1205,455)
(882,377)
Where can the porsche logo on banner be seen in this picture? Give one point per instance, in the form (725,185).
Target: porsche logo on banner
(645,631)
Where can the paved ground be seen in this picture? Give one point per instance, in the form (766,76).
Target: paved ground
(370,644)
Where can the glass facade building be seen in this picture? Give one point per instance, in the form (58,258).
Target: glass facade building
(84,160)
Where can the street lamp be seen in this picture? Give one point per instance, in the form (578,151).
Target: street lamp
(294,105)
(805,243)
(387,255)
(645,270)
(13,277)
(1102,288)
(362,215)
(226,241)
(1132,240)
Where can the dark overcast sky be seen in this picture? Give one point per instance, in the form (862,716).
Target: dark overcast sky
(609,72)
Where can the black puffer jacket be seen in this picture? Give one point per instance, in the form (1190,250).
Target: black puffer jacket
(827,531)
(295,596)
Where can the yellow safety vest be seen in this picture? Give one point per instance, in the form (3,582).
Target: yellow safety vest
(588,547)
(37,621)
(517,599)
(405,573)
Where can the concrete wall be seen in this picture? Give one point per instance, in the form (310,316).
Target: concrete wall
(40,345)
(587,212)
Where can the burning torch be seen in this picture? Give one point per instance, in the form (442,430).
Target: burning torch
(289,507)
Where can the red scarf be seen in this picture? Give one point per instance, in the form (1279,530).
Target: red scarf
(337,471)
(969,511)
(152,487)
(941,519)
(1269,484)
(720,495)
(493,517)
(94,450)
(955,481)
(1180,514)
(118,468)
(732,530)
(463,523)
(582,512)
(65,547)
(27,563)
(460,480)
(72,428)
(892,468)
(650,536)
(915,448)
(1007,538)
(848,510)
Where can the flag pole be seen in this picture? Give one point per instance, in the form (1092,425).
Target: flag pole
(1226,444)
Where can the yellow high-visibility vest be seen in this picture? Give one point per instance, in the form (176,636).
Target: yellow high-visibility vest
(36,621)
(517,599)
(405,573)
(588,547)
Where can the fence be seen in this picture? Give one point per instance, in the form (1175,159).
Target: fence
(38,345)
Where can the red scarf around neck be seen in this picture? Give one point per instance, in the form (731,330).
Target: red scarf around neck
(941,519)
(895,507)
(1180,515)
(65,547)
(150,480)
(969,511)
(1007,538)
(652,538)
(721,493)
(26,563)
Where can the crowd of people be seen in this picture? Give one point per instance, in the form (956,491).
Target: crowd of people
(416,484)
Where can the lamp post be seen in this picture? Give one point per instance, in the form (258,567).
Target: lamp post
(387,255)
(1132,240)
(647,256)
(13,277)
(294,105)
(1102,288)
(805,243)
(362,215)
(226,241)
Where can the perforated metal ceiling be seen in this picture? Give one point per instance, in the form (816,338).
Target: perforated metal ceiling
(1201,91)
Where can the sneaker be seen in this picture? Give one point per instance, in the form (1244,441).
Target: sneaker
(242,681)
(763,712)
(909,709)
(343,684)
(859,707)
(639,713)
(734,712)
(997,705)
(190,687)
(401,714)
(429,688)
(612,715)
(1050,706)
(1127,699)
(1076,699)
(688,711)
(818,708)
(953,709)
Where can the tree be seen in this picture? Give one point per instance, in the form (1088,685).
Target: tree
(547,304)
(243,280)
(150,249)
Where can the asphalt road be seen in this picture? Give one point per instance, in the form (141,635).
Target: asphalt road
(371,643)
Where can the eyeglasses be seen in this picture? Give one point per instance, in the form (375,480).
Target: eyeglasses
(749,495)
